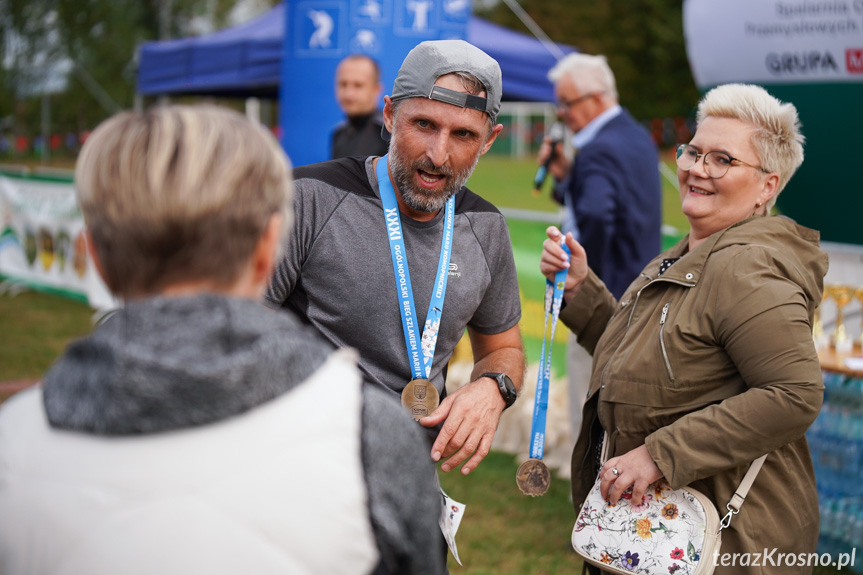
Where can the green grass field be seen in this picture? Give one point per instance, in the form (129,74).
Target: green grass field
(508,181)
(505,531)
(34,329)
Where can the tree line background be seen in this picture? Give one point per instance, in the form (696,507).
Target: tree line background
(642,39)
(84,52)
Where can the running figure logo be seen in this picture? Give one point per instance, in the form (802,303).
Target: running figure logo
(371,9)
(323,23)
(421,13)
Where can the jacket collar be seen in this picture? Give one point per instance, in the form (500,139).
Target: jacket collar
(690,268)
(773,232)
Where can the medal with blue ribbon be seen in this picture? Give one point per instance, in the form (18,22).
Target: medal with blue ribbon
(419,397)
(533,476)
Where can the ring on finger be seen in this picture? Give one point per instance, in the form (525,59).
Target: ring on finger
(615,471)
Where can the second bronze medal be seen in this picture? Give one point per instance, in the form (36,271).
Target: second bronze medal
(420,398)
(533,477)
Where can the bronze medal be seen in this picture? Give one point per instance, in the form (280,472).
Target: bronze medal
(533,477)
(420,398)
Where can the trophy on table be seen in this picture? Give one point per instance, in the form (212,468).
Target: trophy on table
(842,295)
(818,335)
(858,293)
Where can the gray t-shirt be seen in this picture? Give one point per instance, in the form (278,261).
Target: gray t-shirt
(337,270)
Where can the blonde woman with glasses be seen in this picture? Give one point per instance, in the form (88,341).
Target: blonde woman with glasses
(707,361)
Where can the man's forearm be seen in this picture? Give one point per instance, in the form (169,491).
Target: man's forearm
(508,360)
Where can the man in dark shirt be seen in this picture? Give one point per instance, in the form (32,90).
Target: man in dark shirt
(345,266)
(358,90)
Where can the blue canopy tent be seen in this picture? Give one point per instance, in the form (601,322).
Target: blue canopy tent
(524,60)
(246,61)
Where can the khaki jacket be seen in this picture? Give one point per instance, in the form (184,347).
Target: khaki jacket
(712,365)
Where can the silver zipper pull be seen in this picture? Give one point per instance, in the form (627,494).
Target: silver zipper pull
(664,314)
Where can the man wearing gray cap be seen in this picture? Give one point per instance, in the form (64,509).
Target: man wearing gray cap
(395,257)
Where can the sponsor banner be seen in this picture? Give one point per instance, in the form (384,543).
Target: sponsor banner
(774,41)
(42,242)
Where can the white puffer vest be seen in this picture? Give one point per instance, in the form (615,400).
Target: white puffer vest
(278,489)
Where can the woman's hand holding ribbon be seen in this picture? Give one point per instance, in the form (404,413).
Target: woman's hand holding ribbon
(554,259)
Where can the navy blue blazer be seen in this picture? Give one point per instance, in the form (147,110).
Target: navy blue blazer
(615,192)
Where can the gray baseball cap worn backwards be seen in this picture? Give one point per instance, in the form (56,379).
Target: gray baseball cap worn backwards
(430,60)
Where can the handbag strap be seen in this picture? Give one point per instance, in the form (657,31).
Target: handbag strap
(740,493)
(736,502)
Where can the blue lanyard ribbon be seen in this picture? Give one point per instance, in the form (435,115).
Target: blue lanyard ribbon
(553,302)
(420,351)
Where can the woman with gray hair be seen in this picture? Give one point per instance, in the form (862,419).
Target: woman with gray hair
(195,431)
(707,361)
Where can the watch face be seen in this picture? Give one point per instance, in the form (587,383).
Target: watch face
(507,388)
(505,385)
(510,388)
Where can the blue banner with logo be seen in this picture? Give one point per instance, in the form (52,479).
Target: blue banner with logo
(319,33)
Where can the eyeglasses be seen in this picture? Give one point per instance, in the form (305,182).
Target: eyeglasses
(565,105)
(716,163)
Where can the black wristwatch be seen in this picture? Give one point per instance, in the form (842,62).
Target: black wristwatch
(506,387)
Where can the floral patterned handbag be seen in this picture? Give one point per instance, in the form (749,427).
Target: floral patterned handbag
(672,531)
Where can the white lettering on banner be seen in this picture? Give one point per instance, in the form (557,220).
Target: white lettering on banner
(393,223)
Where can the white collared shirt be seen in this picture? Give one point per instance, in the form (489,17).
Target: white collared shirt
(582,138)
(586,135)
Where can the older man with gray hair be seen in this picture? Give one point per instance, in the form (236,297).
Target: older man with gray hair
(611,188)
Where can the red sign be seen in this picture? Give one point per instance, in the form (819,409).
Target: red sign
(854,60)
